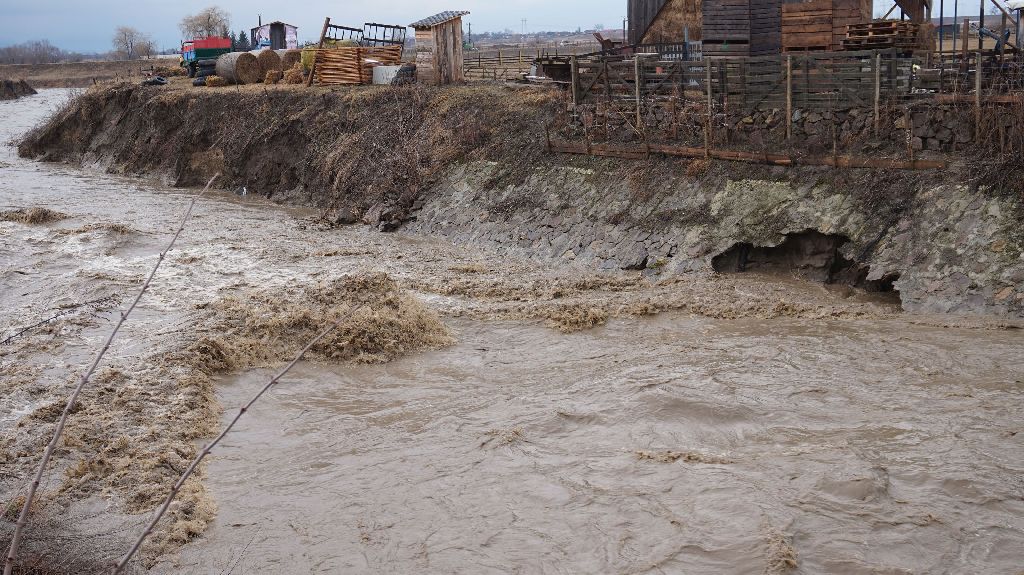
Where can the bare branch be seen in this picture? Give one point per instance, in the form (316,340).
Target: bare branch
(209,447)
(12,553)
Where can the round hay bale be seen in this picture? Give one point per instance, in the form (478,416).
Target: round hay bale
(268,60)
(289,58)
(215,81)
(239,68)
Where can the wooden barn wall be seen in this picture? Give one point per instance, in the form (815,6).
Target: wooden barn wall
(448,52)
(425,56)
(742,27)
(674,17)
(641,14)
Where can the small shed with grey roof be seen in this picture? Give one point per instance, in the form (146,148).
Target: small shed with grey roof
(439,48)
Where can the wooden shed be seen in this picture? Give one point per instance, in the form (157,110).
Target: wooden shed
(809,25)
(742,27)
(664,21)
(275,35)
(439,48)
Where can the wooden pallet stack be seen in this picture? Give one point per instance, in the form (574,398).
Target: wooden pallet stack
(904,36)
(353,65)
(741,27)
(820,25)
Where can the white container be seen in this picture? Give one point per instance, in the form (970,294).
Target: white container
(385,74)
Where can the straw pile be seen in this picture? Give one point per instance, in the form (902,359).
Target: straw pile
(353,65)
(273,77)
(289,58)
(215,81)
(268,60)
(239,68)
(295,74)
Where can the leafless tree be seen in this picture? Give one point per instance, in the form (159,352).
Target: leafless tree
(128,42)
(212,21)
(34,52)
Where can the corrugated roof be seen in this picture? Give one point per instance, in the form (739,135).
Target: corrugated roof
(438,19)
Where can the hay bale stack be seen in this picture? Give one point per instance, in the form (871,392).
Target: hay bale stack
(273,77)
(239,68)
(295,74)
(289,58)
(268,60)
(215,81)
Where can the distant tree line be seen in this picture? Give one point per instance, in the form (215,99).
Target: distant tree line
(42,52)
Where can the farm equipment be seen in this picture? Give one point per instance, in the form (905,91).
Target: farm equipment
(199,56)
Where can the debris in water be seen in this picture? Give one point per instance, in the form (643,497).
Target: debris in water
(32,216)
(686,456)
(577,317)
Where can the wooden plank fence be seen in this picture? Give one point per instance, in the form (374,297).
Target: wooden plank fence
(815,80)
(512,63)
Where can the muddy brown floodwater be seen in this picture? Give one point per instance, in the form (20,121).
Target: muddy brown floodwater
(705,425)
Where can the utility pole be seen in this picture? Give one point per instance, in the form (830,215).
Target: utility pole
(471,34)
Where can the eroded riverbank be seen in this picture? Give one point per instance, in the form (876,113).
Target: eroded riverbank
(714,424)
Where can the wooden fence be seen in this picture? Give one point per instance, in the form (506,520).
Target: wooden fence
(814,80)
(513,63)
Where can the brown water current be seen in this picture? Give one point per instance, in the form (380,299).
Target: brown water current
(704,424)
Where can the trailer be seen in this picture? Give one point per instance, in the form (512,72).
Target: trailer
(199,56)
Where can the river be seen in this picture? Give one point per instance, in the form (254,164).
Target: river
(854,439)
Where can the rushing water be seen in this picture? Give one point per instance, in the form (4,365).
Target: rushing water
(671,444)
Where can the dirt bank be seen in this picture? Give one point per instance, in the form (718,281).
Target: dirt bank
(470,163)
(11,89)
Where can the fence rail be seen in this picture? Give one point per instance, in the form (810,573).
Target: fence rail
(806,80)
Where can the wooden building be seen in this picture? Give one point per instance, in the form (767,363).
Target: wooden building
(663,21)
(818,25)
(742,27)
(439,48)
(275,35)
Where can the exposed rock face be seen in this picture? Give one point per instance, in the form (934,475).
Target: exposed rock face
(945,248)
(469,163)
(12,90)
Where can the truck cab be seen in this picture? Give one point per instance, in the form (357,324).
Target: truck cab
(201,54)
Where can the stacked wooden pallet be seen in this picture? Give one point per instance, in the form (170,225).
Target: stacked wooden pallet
(353,65)
(883,35)
(741,27)
(820,25)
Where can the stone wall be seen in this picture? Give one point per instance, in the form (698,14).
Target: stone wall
(922,128)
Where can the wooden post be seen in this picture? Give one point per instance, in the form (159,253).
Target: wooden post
(977,98)
(710,106)
(963,45)
(789,97)
(499,58)
(1002,47)
(638,78)
(323,34)
(878,90)
(908,123)
(574,67)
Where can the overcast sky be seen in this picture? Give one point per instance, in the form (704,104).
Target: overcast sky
(87,25)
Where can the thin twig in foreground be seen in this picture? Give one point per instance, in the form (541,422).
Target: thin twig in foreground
(12,553)
(209,447)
